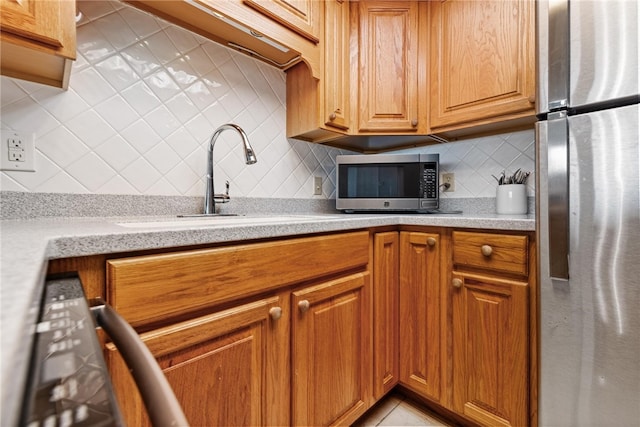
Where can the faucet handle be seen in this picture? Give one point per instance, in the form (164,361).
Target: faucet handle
(223,198)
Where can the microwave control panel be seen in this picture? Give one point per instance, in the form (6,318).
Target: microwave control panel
(429,186)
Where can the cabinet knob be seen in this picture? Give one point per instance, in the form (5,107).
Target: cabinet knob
(532,99)
(486,250)
(431,241)
(275,313)
(457,283)
(414,122)
(303,306)
(332,116)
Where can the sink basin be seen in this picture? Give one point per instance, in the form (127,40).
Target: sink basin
(205,221)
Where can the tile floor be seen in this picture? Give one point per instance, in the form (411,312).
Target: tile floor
(397,410)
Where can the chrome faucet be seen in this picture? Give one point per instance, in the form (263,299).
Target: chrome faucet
(250,158)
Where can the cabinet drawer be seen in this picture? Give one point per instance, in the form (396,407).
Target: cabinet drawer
(153,288)
(498,252)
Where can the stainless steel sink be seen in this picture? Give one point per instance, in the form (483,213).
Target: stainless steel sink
(212,221)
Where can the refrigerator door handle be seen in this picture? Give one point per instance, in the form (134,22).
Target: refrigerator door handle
(558,194)
(558,51)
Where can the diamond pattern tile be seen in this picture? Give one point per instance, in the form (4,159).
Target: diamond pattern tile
(474,161)
(145,97)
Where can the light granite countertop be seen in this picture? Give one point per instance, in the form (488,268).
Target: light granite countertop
(27,245)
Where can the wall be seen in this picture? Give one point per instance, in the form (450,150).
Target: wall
(145,97)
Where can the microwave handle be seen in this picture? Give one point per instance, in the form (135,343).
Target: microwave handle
(161,403)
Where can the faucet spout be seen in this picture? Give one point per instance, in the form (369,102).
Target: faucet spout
(250,158)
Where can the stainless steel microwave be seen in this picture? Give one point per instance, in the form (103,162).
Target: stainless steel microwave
(387,182)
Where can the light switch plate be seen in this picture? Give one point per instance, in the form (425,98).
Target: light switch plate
(17,151)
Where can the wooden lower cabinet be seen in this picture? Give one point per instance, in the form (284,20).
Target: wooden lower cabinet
(493,327)
(490,349)
(447,314)
(386,312)
(331,351)
(466,331)
(226,368)
(422,343)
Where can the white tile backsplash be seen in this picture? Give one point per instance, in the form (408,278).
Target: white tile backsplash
(474,161)
(145,97)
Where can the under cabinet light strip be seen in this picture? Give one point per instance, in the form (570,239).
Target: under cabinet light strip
(440,139)
(271,61)
(236,25)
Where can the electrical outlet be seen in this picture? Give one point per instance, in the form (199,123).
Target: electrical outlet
(317,186)
(448,178)
(17,151)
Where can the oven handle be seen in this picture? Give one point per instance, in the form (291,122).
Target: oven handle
(161,403)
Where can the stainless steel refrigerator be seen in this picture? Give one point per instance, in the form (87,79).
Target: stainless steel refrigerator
(588,208)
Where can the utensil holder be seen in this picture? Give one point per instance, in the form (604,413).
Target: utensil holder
(511,199)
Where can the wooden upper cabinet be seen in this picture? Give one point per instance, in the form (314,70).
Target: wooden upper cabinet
(319,110)
(281,33)
(482,62)
(38,40)
(35,20)
(335,104)
(390,81)
(302,16)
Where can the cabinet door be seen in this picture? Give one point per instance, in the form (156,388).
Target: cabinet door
(35,20)
(421,343)
(388,45)
(227,368)
(490,349)
(331,351)
(386,305)
(335,102)
(482,60)
(302,16)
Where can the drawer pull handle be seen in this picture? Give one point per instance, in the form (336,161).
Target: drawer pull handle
(431,241)
(457,283)
(486,250)
(332,116)
(275,313)
(414,122)
(303,306)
